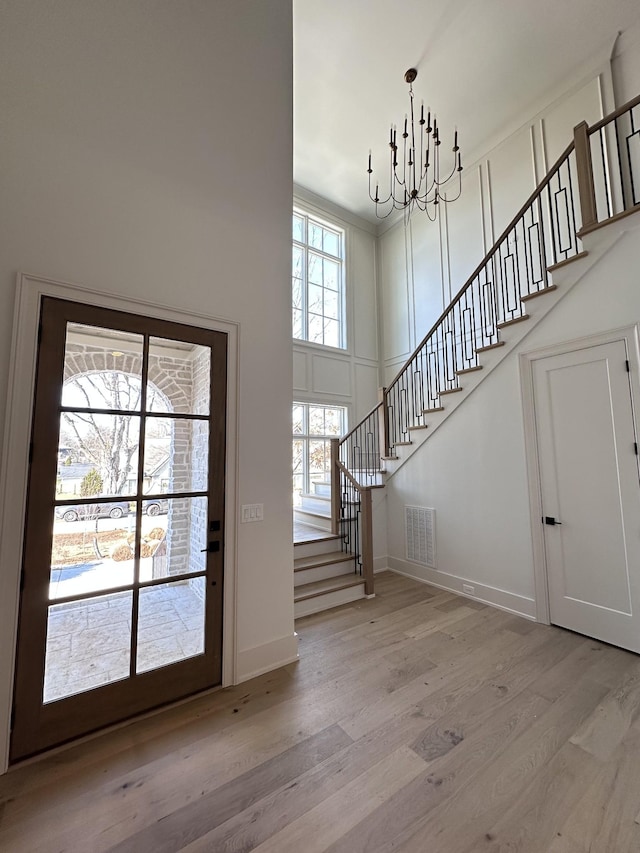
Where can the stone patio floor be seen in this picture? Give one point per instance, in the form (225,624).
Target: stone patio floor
(88,642)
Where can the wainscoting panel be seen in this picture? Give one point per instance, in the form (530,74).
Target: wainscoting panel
(330,376)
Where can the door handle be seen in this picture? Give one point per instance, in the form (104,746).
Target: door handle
(211,548)
(550,520)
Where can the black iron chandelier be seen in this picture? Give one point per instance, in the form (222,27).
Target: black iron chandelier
(416,179)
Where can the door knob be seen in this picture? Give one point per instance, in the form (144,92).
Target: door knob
(550,520)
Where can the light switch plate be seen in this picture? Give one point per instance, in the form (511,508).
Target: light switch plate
(251,512)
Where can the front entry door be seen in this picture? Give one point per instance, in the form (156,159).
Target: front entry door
(121,603)
(590,492)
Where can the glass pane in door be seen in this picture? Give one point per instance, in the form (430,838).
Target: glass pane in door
(170,623)
(97,455)
(91,555)
(176,455)
(179,371)
(102,368)
(173,539)
(88,644)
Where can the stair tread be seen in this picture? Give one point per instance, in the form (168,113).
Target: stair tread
(490,346)
(303,563)
(319,539)
(311,590)
(314,512)
(450,391)
(570,260)
(533,295)
(513,321)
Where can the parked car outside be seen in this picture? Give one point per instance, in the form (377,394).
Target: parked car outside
(111,509)
(155,506)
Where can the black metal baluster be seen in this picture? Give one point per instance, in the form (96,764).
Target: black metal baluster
(634,199)
(605,171)
(572,207)
(622,181)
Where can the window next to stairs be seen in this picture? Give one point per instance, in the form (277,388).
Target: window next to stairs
(318,281)
(314,425)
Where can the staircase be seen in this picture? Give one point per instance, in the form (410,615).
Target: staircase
(324,574)
(518,282)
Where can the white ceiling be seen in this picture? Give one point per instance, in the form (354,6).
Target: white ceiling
(481,64)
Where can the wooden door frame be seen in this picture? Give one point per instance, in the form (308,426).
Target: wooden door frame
(630,335)
(15,461)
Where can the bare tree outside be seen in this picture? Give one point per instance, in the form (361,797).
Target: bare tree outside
(108,441)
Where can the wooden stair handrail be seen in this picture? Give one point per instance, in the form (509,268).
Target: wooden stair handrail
(537,192)
(353,480)
(369,414)
(492,251)
(598,125)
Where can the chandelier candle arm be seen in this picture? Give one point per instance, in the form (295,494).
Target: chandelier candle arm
(419,183)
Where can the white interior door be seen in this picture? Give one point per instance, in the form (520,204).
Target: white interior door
(590,492)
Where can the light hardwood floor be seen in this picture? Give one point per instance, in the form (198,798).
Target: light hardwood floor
(416,721)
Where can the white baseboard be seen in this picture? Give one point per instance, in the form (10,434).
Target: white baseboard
(509,601)
(261,659)
(380,564)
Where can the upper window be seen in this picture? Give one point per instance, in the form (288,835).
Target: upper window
(317,281)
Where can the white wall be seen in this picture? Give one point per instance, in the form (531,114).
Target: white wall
(346,377)
(625,65)
(422,268)
(472,470)
(135,162)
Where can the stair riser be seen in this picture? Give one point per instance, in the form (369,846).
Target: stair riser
(319,573)
(328,600)
(315,503)
(311,549)
(323,523)
(322,489)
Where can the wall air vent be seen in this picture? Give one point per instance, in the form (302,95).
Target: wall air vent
(420,527)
